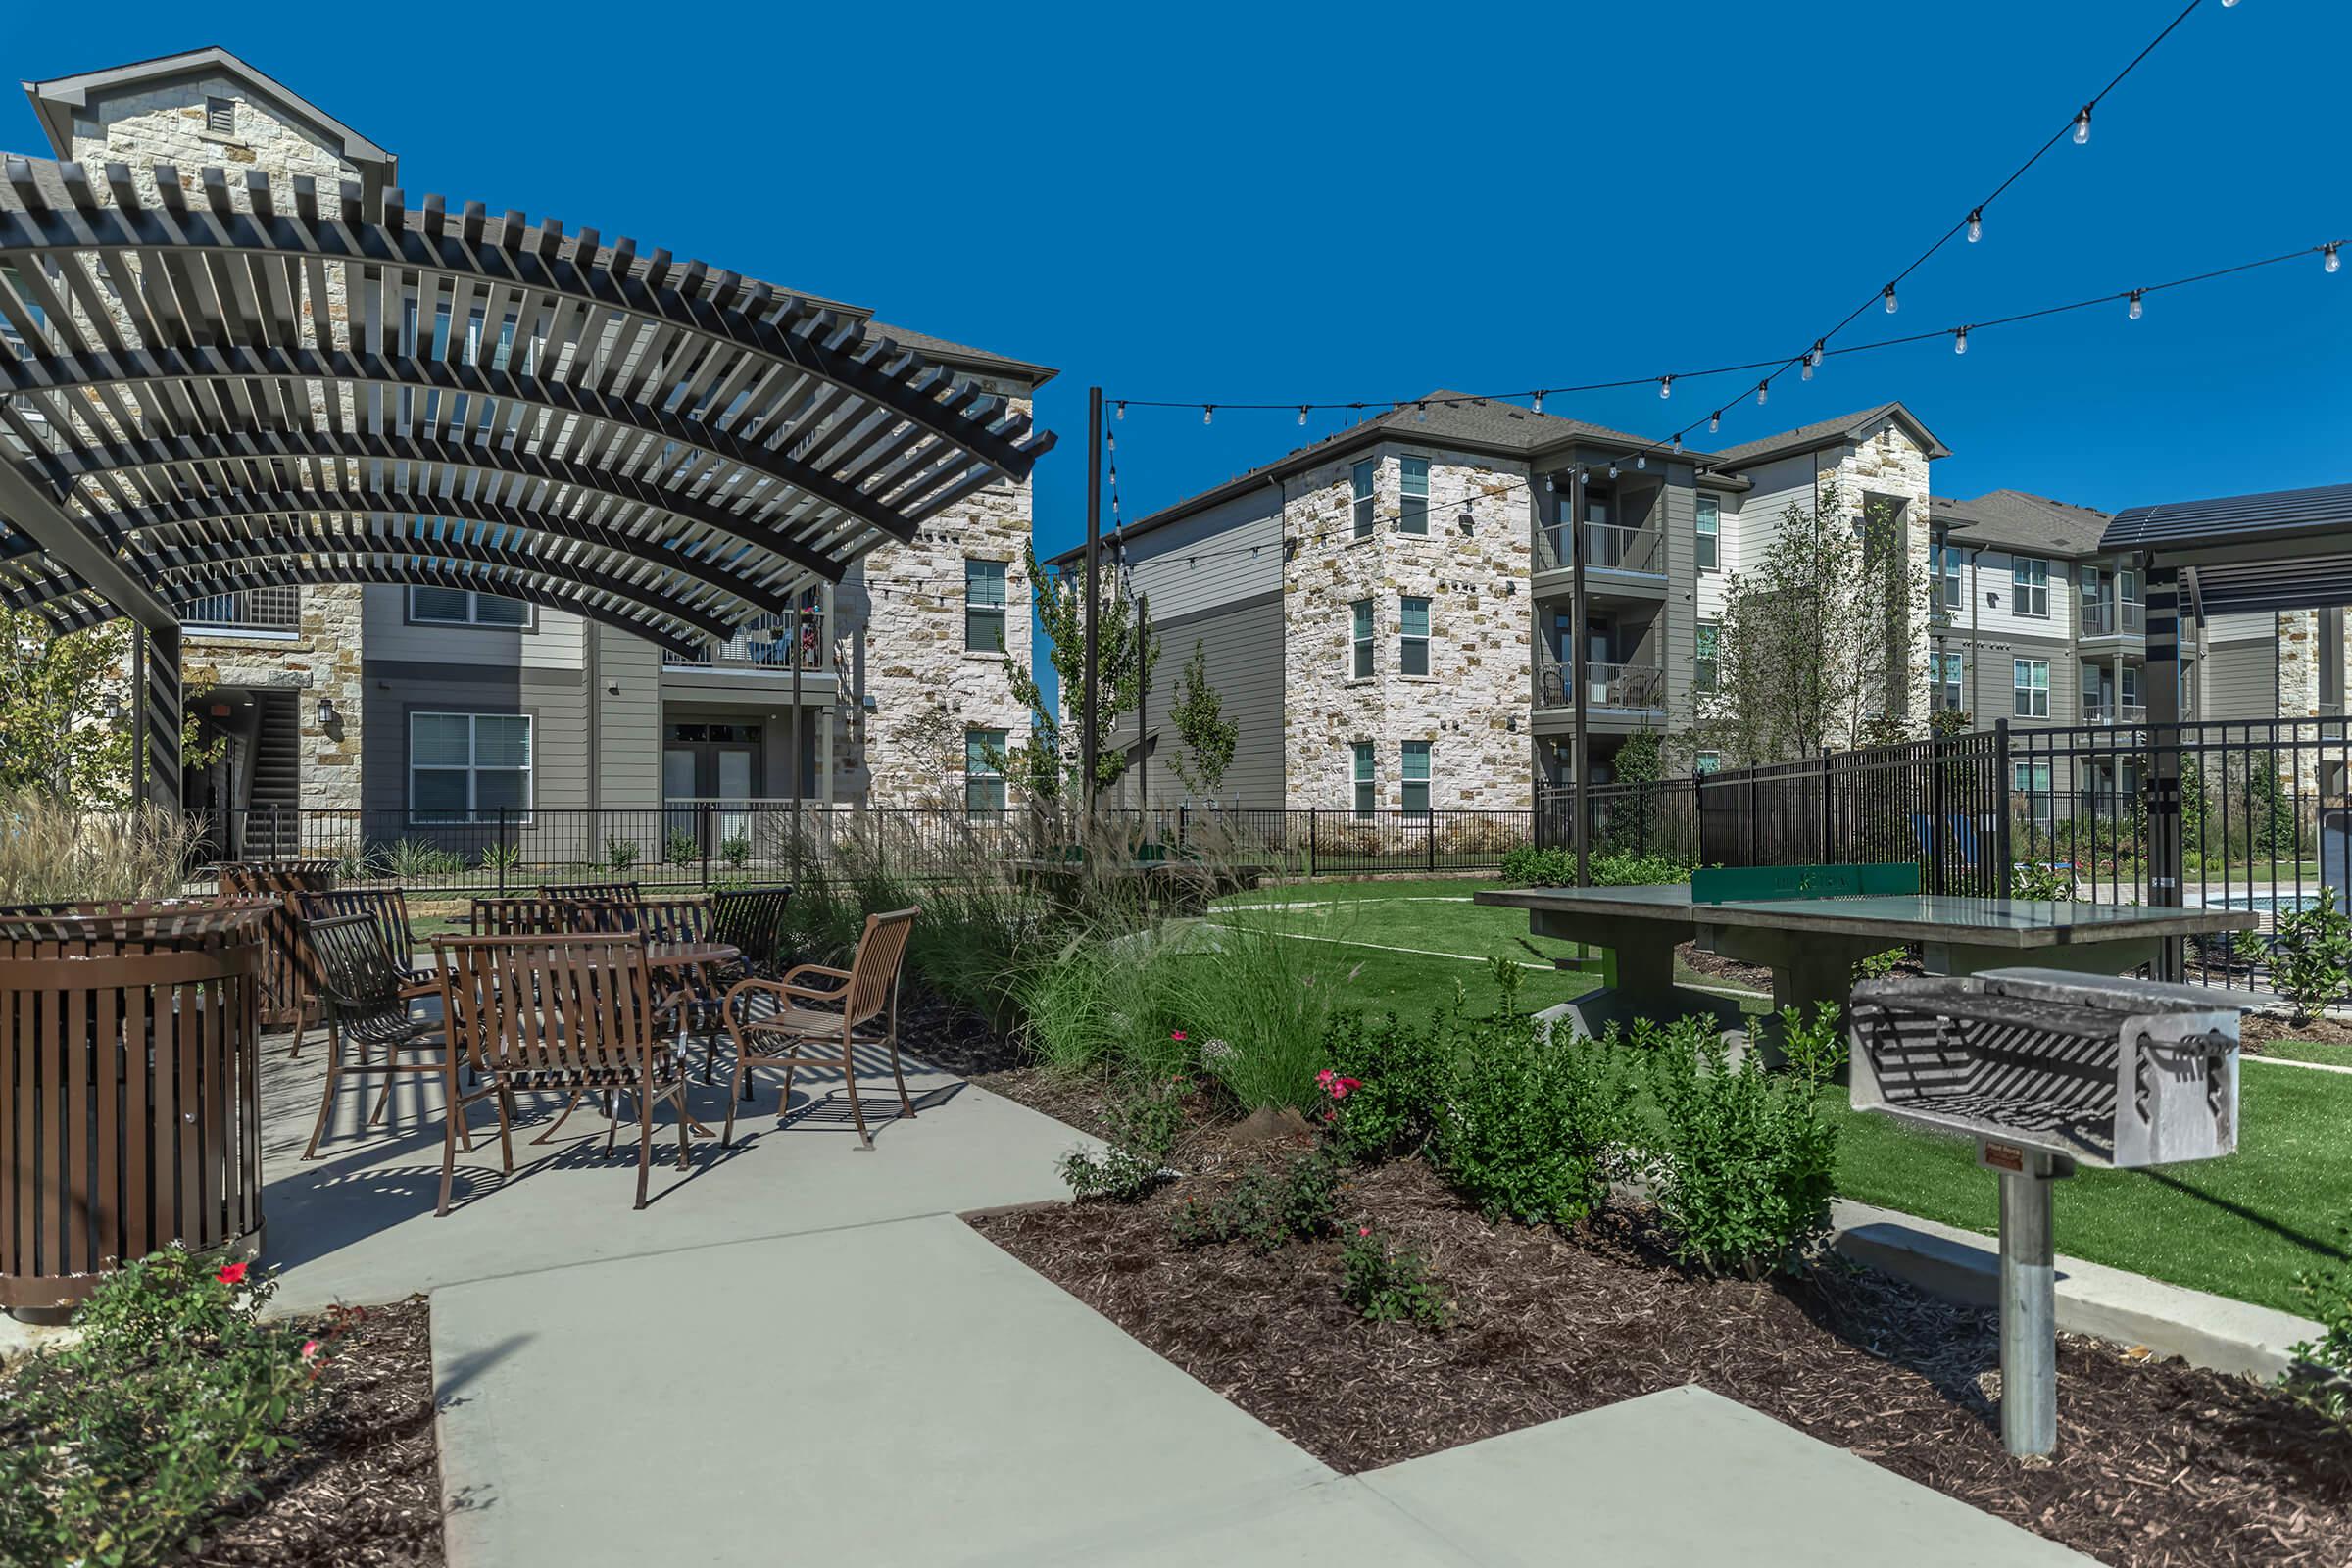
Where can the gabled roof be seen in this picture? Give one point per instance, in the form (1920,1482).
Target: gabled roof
(1459,422)
(2012,517)
(1829,433)
(56,99)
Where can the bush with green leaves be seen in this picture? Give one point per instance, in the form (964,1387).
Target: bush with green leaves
(621,852)
(121,1447)
(1554,867)
(1529,1119)
(2311,955)
(682,848)
(1390,1284)
(1144,1123)
(2046,880)
(501,858)
(1742,1163)
(1400,1072)
(1268,1205)
(2322,1376)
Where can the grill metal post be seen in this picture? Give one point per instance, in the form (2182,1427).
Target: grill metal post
(2028,1302)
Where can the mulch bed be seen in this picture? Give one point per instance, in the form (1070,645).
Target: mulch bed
(2157,1463)
(953,1037)
(2259,1029)
(364,1487)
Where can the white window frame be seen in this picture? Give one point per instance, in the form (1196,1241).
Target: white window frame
(473,606)
(2024,690)
(1364,490)
(984,773)
(1001,610)
(1409,520)
(2030,586)
(1948,590)
(1706,762)
(1406,639)
(1428,781)
(2032,781)
(1364,636)
(1947,682)
(1706,656)
(1707,529)
(1364,762)
(474,811)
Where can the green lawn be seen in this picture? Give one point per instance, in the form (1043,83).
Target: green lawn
(2243,1226)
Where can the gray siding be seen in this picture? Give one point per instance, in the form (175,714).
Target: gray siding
(556,700)
(1243,642)
(626,741)
(2241,679)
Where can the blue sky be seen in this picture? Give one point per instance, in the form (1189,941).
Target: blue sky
(1271,203)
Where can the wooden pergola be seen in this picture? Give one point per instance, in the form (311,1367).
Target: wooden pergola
(229,384)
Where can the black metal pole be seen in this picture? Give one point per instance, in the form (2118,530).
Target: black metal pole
(1093,592)
(1582,760)
(800,639)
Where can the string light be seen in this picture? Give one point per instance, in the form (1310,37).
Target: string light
(1122,413)
(1714,421)
(1642,460)
(1960,342)
(2328,262)
(1888,294)
(1763,392)
(1612,471)
(1302,415)
(1208,414)
(1976,225)
(1539,391)
(1421,414)
(1665,386)
(2082,126)
(2133,313)
(1813,359)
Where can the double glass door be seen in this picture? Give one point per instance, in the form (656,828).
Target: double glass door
(715,766)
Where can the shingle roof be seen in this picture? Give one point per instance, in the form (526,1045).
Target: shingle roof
(2026,521)
(1826,432)
(1443,418)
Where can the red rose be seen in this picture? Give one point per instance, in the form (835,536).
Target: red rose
(232,1273)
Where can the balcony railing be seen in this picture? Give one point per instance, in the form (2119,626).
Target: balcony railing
(2107,619)
(277,609)
(1608,547)
(759,648)
(2097,712)
(1635,686)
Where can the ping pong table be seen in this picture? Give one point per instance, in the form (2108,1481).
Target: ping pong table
(1811,944)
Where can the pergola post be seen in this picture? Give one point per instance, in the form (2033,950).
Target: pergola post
(2163,785)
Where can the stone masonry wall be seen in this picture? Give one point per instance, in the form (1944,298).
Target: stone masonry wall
(323,660)
(1472,706)
(901,641)
(1891,463)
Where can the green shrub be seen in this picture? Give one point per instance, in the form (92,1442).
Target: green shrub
(2041,879)
(1268,1205)
(1103,1003)
(735,849)
(1554,867)
(1389,1284)
(120,1447)
(1267,999)
(2311,956)
(503,858)
(1400,1071)
(682,848)
(1741,1162)
(2321,1377)
(620,854)
(1145,1124)
(411,861)
(1528,1120)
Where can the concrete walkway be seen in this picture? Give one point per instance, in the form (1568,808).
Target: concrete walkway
(799,1353)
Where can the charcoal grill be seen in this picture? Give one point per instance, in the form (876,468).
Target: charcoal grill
(2047,1070)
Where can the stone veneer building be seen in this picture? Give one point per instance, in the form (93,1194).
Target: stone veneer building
(406,704)
(1385,614)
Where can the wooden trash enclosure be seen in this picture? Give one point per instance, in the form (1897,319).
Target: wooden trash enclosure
(130,1088)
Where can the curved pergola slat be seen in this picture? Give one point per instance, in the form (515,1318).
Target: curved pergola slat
(225,380)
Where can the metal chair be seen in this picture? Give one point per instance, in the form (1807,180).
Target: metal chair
(365,996)
(574,1015)
(388,907)
(288,986)
(521,916)
(752,921)
(804,1031)
(577,890)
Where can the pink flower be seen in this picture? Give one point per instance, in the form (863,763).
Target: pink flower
(1363,1229)
(1340,1088)
(231,1273)
(309,1349)
(1323,1079)
(1175,1034)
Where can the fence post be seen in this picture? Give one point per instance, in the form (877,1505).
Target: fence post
(1433,840)
(1828,815)
(1938,801)
(1310,840)
(502,852)
(702,836)
(2004,861)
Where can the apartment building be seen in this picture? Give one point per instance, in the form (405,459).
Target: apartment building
(1387,614)
(422,706)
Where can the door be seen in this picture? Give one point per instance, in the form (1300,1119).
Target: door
(1600,665)
(732,784)
(711,776)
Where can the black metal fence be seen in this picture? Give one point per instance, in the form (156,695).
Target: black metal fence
(705,843)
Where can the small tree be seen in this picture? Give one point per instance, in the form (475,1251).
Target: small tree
(1126,650)
(2312,958)
(1208,736)
(64,704)
(1814,648)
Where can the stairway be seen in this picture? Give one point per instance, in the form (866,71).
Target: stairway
(277,779)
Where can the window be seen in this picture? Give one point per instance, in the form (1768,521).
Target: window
(1946,586)
(1360,478)
(982,770)
(1946,683)
(463,607)
(2032,781)
(1707,763)
(1710,529)
(221,117)
(2030,678)
(1413,515)
(2029,585)
(1366,787)
(1703,669)
(1412,648)
(1360,637)
(1414,776)
(983,606)
(466,767)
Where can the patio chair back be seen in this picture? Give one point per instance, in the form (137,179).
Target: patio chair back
(388,907)
(357,977)
(685,919)
(553,1012)
(287,982)
(751,921)
(874,971)
(524,916)
(578,891)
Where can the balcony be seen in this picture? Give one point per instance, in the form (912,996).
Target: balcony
(1635,688)
(2096,710)
(274,612)
(1614,556)
(2109,617)
(758,650)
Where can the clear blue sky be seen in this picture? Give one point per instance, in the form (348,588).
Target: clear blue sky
(1255,203)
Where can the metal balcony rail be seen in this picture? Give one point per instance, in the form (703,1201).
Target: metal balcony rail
(1608,547)
(2097,710)
(272,609)
(2108,618)
(758,647)
(1639,686)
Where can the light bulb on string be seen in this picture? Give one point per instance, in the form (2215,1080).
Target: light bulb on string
(1421,414)
(1642,460)
(2082,126)
(1812,360)
(2133,313)
(1678,440)
(1763,393)
(2328,261)
(1960,341)
(1539,401)
(1121,412)
(1612,471)
(1665,386)
(1714,421)
(1888,294)
(1208,414)
(1302,416)
(1976,225)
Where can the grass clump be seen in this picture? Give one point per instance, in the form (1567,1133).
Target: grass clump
(54,851)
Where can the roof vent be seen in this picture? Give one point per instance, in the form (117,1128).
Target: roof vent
(219,116)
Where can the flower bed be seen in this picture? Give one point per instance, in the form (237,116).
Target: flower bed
(2157,1462)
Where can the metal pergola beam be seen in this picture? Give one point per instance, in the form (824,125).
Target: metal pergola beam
(35,514)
